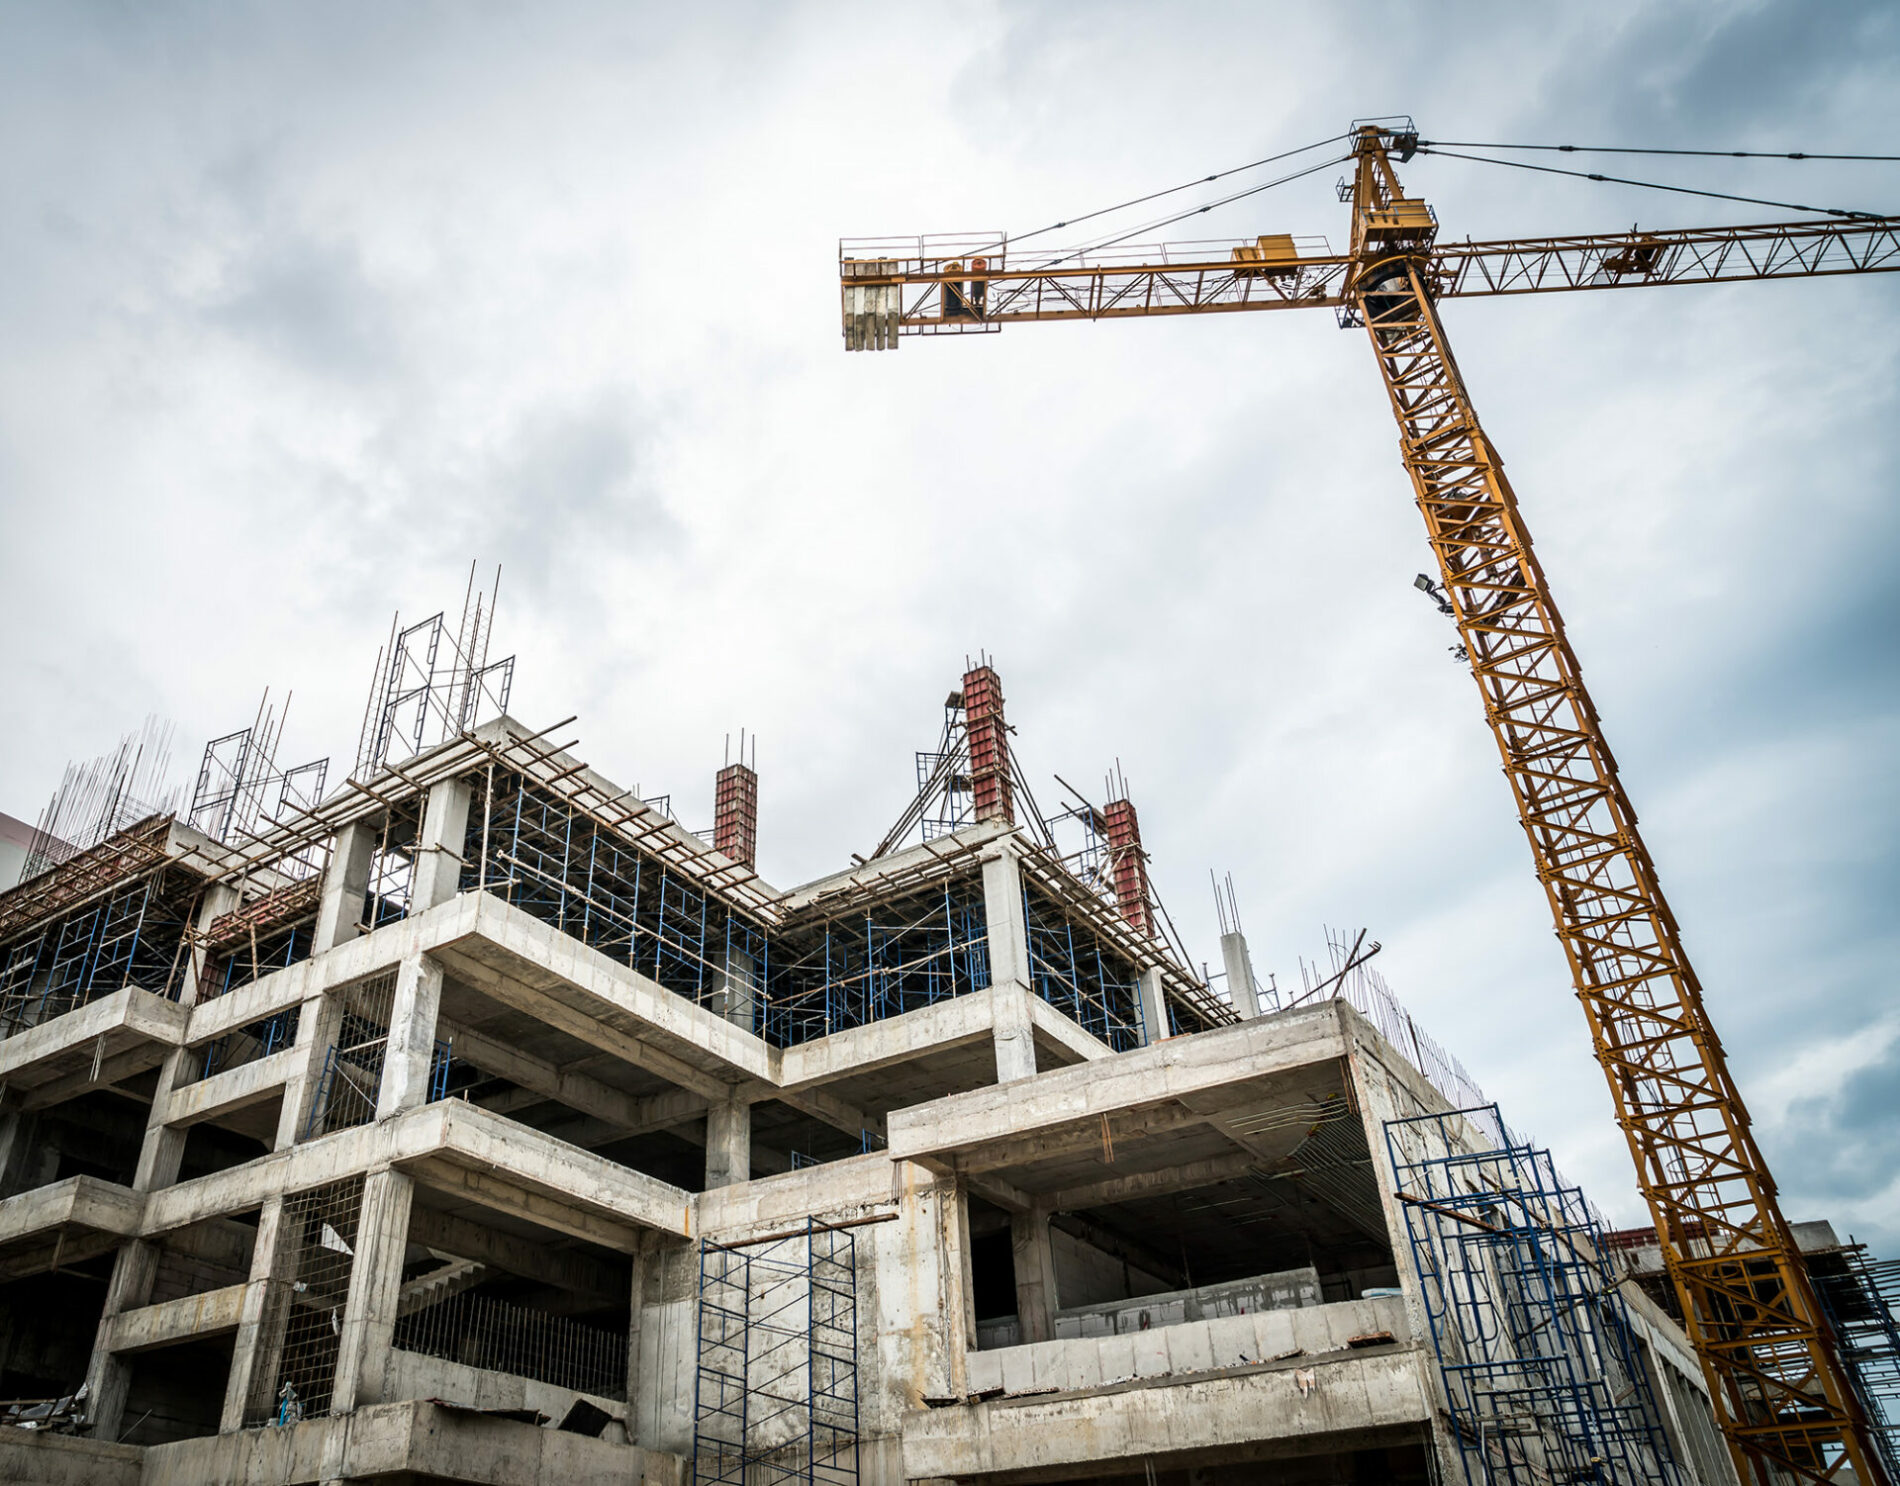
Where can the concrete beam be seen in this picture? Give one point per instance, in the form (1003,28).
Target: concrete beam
(100,1029)
(112,1072)
(455,1135)
(407,1441)
(234,1089)
(78,1202)
(561,1269)
(211,1314)
(947,1024)
(1052,1024)
(1310,1405)
(1212,1068)
(559,1015)
(631,1114)
(1184,1178)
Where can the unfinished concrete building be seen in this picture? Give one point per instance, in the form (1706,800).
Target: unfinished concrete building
(480,1123)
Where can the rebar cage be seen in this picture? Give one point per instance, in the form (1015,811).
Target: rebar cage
(775,1399)
(1543,1374)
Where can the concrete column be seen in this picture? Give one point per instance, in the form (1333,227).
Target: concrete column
(1003,913)
(1008,934)
(1154,1007)
(17,1132)
(1012,1034)
(960,1297)
(318,1020)
(739,990)
(369,1311)
(409,1054)
(345,886)
(439,847)
(164,1147)
(728,1143)
(1035,1274)
(218,900)
(109,1376)
(636,1316)
(257,1346)
(1240,982)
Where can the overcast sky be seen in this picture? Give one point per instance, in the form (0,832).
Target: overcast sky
(305,307)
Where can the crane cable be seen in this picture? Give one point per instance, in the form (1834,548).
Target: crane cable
(1110,242)
(1588,175)
(1611,149)
(1170,191)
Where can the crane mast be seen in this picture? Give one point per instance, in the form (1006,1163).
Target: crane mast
(1776,1380)
(1750,1309)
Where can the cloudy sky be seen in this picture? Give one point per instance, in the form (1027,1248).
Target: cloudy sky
(306,307)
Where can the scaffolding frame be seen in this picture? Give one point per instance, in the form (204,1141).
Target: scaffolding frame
(775,1395)
(891,956)
(1861,1300)
(1071,969)
(133,934)
(536,849)
(1541,1368)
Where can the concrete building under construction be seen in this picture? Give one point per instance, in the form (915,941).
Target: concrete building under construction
(477,1122)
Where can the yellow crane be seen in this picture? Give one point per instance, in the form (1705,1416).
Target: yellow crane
(1777,1381)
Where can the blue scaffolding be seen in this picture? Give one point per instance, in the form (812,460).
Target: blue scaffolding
(1542,1371)
(775,1397)
(1071,969)
(892,957)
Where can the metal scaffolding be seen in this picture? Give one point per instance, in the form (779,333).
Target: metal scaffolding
(775,1399)
(1541,1368)
(1071,969)
(884,959)
(532,847)
(1861,1296)
(134,934)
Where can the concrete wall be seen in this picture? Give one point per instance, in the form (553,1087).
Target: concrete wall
(1188,1347)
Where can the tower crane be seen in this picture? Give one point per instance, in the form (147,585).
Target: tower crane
(1776,1378)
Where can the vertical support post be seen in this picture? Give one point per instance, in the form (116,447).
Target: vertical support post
(1010,983)
(1154,1006)
(738,998)
(17,1131)
(1035,1264)
(164,1145)
(736,814)
(641,1260)
(409,1054)
(345,886)
(109,1376)
(960,1297)
(369,1312)
(1128,865)
(728,1143)
(258,1344)
(988,735)
(439,847)
(1240,981)
(319,1021)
